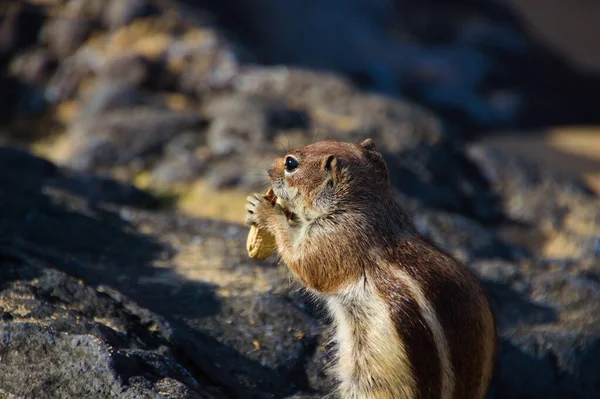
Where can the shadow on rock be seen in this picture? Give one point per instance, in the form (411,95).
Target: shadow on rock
(549,365)
(49,223)
(513,309)
(543,350)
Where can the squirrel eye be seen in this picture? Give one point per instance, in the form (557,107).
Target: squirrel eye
(291,164)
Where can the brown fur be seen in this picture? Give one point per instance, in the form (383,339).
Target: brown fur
(433,336)
(460,303)
(417,336)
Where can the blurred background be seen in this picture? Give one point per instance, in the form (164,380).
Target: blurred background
(169,111)
(523,76)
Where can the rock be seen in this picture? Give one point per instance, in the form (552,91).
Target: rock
(296,86)
(201,60)
(185,158)
(65,81)
(64,357)
(464,238)
(96,189)
(128,136)
(182,168)
(470,64)
(547,364)
(546,302)
(104,190)
(235,324)
(244,171)
(551,214)
(532,193)
(236,123)
(119,13)
(58,335)
(83,9)
(247,123)
(65,35)
(549,325)
(236,321)
(19,27)
(33,67)
(110,96)
(95,277)
(129,70)
(200,276)
(212,69)
(22,101)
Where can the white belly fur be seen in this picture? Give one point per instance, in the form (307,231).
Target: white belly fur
(372,362)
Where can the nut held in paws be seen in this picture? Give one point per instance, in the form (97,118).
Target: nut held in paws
(261,243)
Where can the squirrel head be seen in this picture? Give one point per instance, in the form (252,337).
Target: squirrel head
(317,179)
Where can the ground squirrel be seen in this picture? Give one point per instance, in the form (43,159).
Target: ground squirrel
(410,321)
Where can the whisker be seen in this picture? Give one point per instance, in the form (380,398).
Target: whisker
(289,147)
(318,127)
(315,133)
(282,147)
(261,189)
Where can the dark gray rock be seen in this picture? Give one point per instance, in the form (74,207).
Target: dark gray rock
(119,13)
(244,123)
(110,96)
(62,339)
(69,358)
(129,70)
(65,80)
(231,323)
(183,168)
(128,136)
(65,35)
(33,67)
(547,307)
(211,65)
(156,303)
(103,190)
(548,320)
(19,27)
(548,363)
(22,101)
(543,203)
(532,193)
(185,158)
(464,238)
(473,63)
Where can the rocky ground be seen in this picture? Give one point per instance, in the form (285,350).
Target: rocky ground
(124,271)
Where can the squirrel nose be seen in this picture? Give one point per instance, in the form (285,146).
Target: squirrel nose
(270,171)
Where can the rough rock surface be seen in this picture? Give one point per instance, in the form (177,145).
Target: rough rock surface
(60,338)
(219,323)
(231,322)
(108,290)
(550,340)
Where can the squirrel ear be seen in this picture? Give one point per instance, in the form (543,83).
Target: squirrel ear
(368,144)
(330,164)
(374,156)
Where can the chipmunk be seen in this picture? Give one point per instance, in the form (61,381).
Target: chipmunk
(409,320)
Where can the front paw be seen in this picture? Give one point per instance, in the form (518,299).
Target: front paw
(257,208)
